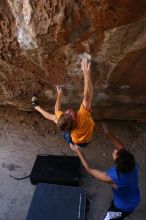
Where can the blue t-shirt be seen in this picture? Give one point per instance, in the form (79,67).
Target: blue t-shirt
(126,196)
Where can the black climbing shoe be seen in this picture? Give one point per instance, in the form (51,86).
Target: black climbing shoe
(34,101)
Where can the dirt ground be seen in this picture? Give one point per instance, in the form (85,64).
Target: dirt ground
(24,135)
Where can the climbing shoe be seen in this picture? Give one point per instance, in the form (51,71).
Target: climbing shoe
(34,101)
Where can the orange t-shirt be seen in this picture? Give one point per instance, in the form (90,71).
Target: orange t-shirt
(83,132)
(84,129)
(58,114)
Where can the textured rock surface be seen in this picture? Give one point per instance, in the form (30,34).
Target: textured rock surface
(42,42)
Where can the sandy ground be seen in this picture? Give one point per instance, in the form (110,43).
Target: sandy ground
(24,135)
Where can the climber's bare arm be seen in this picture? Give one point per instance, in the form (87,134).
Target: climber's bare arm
(58,100)
(88,88)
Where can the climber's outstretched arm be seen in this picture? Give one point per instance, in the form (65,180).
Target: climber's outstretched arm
(88,88)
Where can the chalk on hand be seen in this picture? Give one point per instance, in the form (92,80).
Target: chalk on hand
(85,56)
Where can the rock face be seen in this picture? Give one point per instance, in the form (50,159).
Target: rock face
(42,43)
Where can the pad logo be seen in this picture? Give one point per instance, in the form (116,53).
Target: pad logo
(113,215)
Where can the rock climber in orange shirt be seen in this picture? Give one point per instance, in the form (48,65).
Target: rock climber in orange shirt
(77,127)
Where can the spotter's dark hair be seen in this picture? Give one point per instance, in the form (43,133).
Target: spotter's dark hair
(125,161)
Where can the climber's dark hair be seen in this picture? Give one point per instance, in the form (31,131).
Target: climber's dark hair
(66,124)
